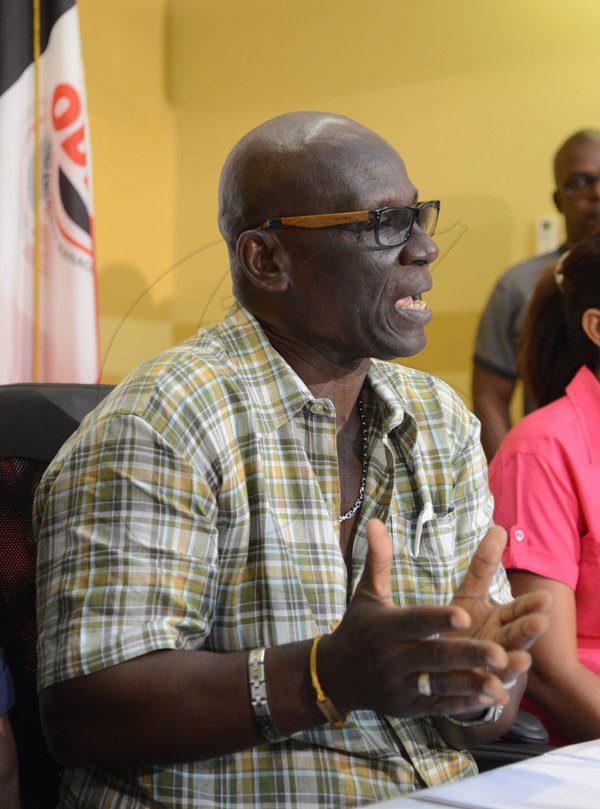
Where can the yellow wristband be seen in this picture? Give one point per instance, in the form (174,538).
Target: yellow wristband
(326,706)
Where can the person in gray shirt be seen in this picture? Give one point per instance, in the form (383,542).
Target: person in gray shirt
(495,371)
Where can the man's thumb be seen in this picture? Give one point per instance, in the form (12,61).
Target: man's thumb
(375,581)
(482,568)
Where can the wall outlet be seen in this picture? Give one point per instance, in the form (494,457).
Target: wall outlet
(547,234)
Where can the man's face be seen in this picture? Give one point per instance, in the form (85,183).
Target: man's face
(347,297)
(581,210)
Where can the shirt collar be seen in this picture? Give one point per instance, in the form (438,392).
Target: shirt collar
(275,390)
(389,392)
(278,393)
(394,395)
(583,392)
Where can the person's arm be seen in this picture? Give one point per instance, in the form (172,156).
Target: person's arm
(492,394)
(537,500)
(495,362)
(567,691)
(179,705)
(9,771)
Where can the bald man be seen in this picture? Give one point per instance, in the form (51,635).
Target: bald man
(261,582)
(495,372)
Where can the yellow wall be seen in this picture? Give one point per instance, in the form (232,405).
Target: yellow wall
(132,137)
(476,95)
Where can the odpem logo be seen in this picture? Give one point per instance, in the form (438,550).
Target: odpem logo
(65,177)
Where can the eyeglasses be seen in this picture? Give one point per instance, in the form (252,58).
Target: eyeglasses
(580,184)
(392,226)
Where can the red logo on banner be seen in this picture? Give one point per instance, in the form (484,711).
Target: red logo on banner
(70,180)
(66,98)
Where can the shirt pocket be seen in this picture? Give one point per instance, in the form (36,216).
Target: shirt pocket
(586,593)
(424,571)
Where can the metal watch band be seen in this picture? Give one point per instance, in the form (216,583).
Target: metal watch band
(258,696)
(492,714)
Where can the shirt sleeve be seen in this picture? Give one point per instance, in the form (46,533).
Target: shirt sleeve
(7,688)
(496,340)
(535,503)
(127,551)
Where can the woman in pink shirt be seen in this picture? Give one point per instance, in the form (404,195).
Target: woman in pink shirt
(546,482)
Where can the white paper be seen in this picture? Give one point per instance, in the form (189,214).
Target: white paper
(590,751)
(557,780)
(566,778)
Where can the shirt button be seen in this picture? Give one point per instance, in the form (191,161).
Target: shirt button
(519,536)
(317,408)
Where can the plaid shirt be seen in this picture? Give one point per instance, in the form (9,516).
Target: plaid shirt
(197,507)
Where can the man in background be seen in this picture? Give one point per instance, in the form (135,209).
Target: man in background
(495,373)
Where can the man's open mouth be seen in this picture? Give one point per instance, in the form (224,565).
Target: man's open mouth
(411,302)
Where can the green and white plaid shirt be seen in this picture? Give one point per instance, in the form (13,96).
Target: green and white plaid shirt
(198,506)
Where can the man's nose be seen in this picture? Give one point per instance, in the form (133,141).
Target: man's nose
(419,249)
(594,188)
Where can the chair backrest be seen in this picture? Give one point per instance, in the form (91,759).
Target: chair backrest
(35,421)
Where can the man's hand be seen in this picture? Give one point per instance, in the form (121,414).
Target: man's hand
(514,626)
(375,657)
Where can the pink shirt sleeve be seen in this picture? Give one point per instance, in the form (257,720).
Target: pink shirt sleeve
(536,504)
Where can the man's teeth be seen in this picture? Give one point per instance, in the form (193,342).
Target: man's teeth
(417,304)
(411,302)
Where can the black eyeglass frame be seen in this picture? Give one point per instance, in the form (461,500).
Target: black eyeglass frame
(327,220)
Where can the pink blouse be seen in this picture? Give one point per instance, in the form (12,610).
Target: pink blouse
(545,480)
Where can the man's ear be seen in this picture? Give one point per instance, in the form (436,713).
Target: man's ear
(590,323)
(262,259)
(558,201)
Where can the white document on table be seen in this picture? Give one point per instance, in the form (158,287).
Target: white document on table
(567,778)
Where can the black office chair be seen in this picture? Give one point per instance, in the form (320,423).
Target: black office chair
(35,420)
(527,737)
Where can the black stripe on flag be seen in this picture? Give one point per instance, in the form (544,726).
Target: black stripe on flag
(16,34)
(73,203)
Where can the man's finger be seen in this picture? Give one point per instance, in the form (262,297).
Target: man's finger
(523,632)
(525,605)
(447,655)
(519,662)
(375,585)
(375,582)
(479,576)
(478,683)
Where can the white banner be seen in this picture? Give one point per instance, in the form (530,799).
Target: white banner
(66,320)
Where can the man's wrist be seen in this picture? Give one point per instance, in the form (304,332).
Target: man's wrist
(331,675)
(258,696)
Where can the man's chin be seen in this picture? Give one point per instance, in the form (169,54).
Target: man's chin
(404,349)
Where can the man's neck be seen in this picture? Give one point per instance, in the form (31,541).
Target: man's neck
(325,378)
